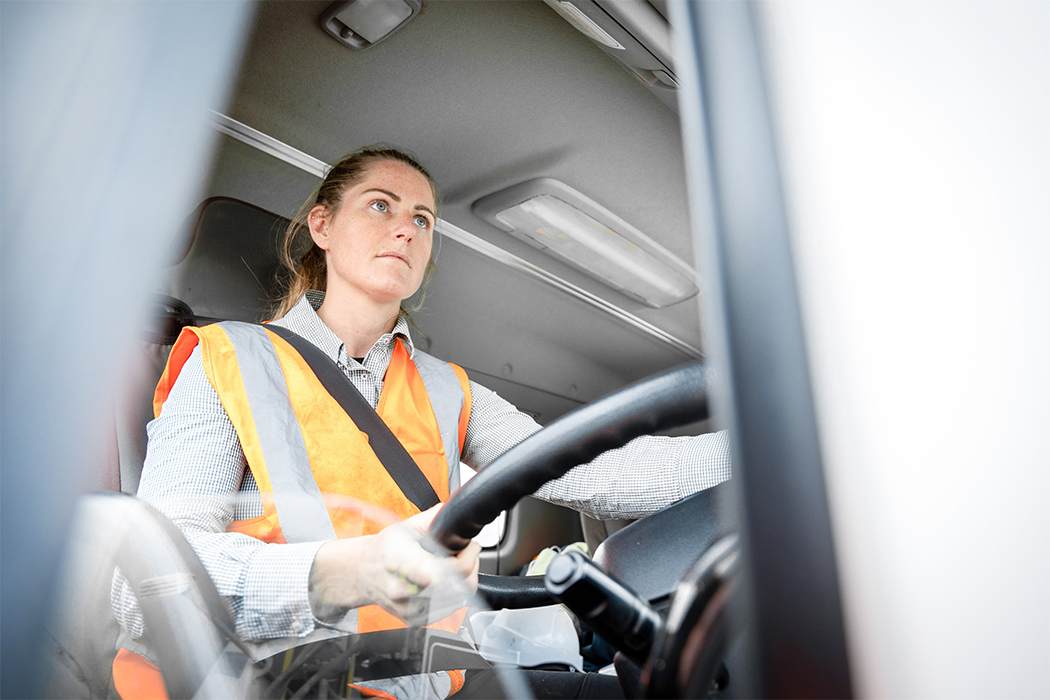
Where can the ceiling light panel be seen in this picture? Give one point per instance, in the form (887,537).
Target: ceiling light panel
(565,224)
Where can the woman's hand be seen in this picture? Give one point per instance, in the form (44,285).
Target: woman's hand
(384,569)
(465,563)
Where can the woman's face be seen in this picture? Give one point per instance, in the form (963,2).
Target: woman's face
(378,241)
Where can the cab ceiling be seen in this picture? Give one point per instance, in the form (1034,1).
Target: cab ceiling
(486,94)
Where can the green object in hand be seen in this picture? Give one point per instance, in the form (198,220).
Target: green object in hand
(413,588)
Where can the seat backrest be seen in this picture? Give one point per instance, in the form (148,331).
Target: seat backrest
(134,401)
(229,272)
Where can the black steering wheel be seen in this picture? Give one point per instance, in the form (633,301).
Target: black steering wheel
(671,399)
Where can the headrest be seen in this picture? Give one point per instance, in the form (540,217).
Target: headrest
(230,270)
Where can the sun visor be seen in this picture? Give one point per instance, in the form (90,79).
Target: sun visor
(633,33)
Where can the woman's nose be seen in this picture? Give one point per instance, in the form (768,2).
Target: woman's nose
(405,228)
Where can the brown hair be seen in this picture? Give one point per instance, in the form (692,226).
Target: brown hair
(308,271)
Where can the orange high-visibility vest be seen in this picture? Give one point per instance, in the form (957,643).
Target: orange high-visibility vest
(268,390)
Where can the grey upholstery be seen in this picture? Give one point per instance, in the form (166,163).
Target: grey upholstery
(230,270)
(134,408)
(597,531)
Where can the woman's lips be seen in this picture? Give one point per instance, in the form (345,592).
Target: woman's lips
(394,254)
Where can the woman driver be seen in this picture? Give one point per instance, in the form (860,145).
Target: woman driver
(215,469)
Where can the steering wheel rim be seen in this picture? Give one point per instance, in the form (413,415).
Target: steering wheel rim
(190,624)
(667,400)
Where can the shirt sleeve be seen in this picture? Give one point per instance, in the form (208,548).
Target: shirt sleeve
(632,481)
(194,474)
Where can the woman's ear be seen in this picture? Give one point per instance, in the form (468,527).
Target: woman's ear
(317,221)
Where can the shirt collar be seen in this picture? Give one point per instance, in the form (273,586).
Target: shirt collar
(303,319)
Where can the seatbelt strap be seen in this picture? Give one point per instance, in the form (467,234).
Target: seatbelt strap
(391,453)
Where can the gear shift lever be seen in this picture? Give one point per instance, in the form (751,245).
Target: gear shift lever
(612,610)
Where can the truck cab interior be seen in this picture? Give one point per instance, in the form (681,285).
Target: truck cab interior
(551,328)
(639,231)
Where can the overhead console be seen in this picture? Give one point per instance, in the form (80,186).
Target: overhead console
(361,24)
(635,33)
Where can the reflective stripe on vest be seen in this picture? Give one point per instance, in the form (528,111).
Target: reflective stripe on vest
(297,498)
(447,399)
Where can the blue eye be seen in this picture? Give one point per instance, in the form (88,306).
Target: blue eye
(422,222)
(379,205)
